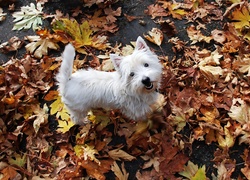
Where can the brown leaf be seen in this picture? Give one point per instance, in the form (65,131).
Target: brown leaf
(112,13)
(121,174)
(155,10)
(118,154)
(13,44)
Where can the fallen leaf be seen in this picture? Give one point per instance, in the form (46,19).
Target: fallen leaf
(40,116)
(152,162)
(227,140)
(9,173)
(155,10)
(241,17)
(118,154)
(87,152)
(225,169)
(240,111)
(112,13)
(17,160)
(192,172)
(121,174)
(155,36)
(39,46)
(29,16)
(175,9)
(196,35)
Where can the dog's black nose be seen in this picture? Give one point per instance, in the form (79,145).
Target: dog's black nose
(146,81)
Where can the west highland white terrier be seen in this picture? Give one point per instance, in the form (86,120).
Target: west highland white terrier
(132,88)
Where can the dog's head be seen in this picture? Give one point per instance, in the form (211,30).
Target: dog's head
(141,71)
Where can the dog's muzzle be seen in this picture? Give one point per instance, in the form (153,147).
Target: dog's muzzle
(147,83)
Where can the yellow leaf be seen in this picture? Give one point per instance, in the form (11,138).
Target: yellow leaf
(227,140)
(78,150)
(58,109)
(64,126)
(192,172)
(80,33)
(87,152)
(242,17)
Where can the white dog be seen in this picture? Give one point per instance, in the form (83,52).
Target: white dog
(132,88)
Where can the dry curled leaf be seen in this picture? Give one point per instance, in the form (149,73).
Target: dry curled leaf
(39,46)
(155,36)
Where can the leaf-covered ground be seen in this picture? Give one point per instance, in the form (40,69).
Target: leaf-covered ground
(200,131)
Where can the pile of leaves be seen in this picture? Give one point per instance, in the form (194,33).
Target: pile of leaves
(205,85)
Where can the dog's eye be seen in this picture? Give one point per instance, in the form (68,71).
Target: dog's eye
(146,65)
(132,74)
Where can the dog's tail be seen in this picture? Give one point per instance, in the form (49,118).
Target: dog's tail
(66,68)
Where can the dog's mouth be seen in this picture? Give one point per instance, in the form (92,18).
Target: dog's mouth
(149,86)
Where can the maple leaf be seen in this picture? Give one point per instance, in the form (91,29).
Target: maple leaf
(178,117)
(225,169)
(100,42)
(240,111)
(29,16)
(210,115)
(40,116)
(9,173)
(96,21)
(58,108)
(242,17)
(196,35)
(227,140)
(111,14)
(155,10)
(174,9)
(155,36)
(118,154)
(210,64)
(87,152)
(80,33)
(18,160)
(192,172)
(13,44)
(173,160)
(152,162)
(39,46)
(121,174)
(242,64)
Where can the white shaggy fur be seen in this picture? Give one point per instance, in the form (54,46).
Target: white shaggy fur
(132,88)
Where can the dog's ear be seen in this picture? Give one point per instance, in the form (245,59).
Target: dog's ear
(141,44)
(116,60)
